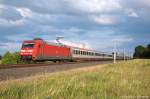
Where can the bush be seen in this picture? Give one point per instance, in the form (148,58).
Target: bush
(10,58)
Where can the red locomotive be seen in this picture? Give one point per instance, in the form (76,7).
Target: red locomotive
(39,50)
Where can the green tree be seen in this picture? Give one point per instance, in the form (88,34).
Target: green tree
(7,58)
(148,47)
(10,58)
(146,53)
(139,50)
(16,57)
(142,52)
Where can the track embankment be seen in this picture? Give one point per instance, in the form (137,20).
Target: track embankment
(20,71)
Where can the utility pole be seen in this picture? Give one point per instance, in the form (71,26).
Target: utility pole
(114,52)
(124,57)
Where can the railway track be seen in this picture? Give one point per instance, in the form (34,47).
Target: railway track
(34,65)
(24,70)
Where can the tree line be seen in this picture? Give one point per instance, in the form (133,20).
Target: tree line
(10,58)
(142,52)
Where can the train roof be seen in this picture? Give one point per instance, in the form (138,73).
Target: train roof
(63,45)
(75,48)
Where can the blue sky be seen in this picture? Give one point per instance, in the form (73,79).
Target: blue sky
(95,23)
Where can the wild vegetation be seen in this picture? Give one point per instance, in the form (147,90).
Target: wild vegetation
(10,58)
(114,81)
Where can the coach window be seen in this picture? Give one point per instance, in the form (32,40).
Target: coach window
(92,53)
(95,54)
(77,51)
(88,53)
(73,51)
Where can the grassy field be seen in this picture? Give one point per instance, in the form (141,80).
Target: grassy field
(124,80)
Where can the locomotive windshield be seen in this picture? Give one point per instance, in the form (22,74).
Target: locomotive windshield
(28,45)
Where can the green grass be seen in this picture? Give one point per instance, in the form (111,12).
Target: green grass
(125,79)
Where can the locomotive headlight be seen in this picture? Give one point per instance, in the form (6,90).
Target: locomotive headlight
(23,50)
(29,50)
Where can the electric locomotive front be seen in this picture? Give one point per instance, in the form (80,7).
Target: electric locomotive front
(26,52)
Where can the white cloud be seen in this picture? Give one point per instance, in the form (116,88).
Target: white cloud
(81,44)
(103,19)
(24,12)
(9,23)
(131,13)
(9,13)
(1,6)
(96,6)
(144,3)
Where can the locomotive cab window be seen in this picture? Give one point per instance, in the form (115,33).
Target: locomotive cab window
(28,45)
